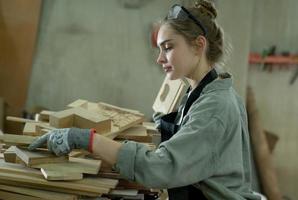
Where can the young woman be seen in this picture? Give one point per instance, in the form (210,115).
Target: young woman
(205,149)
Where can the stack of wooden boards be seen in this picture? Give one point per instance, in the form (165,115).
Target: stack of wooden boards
(41,175)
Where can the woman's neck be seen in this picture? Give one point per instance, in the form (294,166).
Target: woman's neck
(198,74)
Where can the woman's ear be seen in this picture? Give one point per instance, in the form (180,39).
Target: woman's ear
(200,44)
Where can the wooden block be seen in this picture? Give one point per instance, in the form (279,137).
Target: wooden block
(122,118)
(45,115)
(81,118)
(168,95)
(10,155)
(13,139)
(47,195)
(38,157)
(29,129)
(71,170)
(78,103)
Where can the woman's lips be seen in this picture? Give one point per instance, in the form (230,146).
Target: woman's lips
(168,68)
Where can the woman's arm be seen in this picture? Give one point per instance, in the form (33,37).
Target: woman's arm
(105,148)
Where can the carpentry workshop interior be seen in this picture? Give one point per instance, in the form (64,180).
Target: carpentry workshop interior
(148,99)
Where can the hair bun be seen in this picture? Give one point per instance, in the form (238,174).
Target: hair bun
(208,6)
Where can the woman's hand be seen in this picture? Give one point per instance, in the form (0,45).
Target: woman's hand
(62,141)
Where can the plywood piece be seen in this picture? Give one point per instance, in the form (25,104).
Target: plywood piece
(81,118)
(47,195)
(13,139)
(169,95)
(38,157)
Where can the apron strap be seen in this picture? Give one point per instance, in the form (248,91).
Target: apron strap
(211,76)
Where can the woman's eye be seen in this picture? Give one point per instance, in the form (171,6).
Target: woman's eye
(167,49)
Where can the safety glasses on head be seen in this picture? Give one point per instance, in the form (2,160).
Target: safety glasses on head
(180,13)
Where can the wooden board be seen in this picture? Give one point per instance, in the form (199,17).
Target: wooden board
(47,195)
(169,95)
(14,196)
(12,139)
(72,170)
(38,157)
(54,174)
(81,118)
(137,133)
(15,174)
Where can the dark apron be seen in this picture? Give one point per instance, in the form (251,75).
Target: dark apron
(168,128)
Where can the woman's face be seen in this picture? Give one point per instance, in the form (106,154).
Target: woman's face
(177,57)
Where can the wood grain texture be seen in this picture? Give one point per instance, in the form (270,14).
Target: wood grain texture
(13,139)
(15,174)
(38,157)
(72,170)
(47,195)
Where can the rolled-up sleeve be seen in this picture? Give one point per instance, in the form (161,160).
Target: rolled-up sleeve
(188,157)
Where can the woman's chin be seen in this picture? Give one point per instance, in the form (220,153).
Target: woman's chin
(172,76)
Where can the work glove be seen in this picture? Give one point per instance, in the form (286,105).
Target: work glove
(62,141)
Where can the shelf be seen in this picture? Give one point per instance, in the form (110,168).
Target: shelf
(255,58)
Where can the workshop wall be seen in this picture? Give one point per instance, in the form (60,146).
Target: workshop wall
(100,51)
(276,98)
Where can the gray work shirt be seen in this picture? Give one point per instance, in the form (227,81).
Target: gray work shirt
(211,149)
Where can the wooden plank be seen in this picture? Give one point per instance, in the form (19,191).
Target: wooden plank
(13,139)
(60,175)
(47,195)
(71,170)
(15,174)
(38,157)
(21,120)
(13,196)
(137,133)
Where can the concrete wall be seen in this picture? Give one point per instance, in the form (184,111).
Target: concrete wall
(98,50)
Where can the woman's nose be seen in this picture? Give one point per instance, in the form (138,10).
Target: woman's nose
(161,58)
